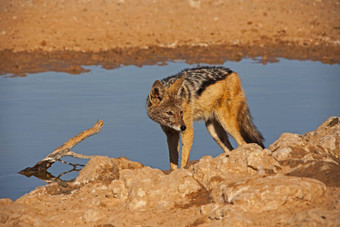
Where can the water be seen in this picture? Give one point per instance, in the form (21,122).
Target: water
(42,111)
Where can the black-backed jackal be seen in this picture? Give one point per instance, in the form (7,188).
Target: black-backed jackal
(212,94)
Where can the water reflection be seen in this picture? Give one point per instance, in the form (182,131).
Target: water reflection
(48,177)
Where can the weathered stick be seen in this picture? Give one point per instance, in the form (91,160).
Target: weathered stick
(64,150)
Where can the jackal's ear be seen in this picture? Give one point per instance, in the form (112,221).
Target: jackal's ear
(173,89)
(156,93)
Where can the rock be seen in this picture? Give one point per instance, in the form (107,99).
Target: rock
(231,217)
(97,169)
(124,163)
(316,216)
(325,139)
(5,202)
(92,216)
(246,160)
(118,189)
(102,168)
(149,187)
(288,142)
(313,154)
(260,160)
(323,143)
(328,173)
(269,193)
(208,208)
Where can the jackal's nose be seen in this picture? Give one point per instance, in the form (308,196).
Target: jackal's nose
(183,128)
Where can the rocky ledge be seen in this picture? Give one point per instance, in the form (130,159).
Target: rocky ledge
(296,182)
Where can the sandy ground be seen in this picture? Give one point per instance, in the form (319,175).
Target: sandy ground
(137,32)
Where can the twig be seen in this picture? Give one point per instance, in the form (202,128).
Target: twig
(65,150)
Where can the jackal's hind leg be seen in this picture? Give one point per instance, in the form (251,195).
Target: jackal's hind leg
(219,134)
(230,124)
(172,137)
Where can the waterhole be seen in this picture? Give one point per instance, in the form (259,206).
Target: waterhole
(41,111)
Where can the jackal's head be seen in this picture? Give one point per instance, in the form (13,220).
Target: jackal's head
(164,105)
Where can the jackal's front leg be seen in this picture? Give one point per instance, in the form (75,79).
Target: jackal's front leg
(187,138)
(172,137)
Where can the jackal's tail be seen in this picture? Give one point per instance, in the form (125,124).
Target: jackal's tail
(247,128)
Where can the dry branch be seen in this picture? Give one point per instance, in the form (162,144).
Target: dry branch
(64,150)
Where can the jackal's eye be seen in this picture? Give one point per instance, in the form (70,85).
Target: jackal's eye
(181,112)
(169,113)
